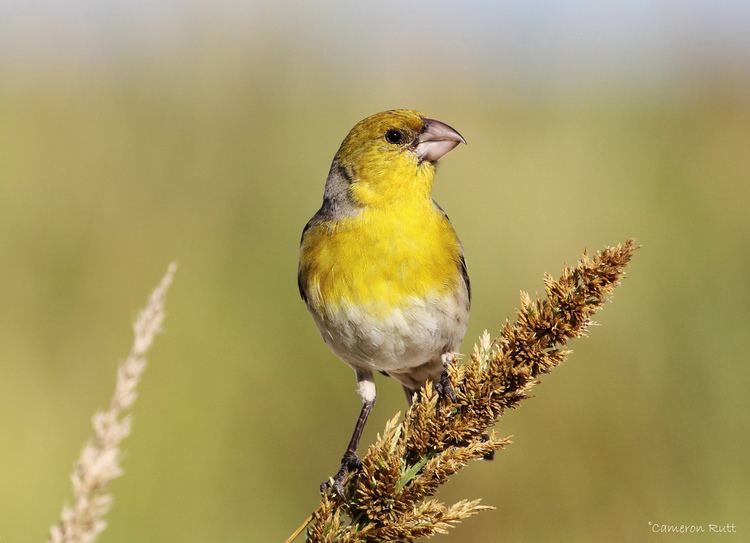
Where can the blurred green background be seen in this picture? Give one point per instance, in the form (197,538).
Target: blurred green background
(132,134)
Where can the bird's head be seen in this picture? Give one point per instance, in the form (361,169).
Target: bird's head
(392,155)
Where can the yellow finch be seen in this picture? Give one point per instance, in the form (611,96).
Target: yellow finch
(381,269)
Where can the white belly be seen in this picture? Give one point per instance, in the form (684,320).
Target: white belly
(407,343)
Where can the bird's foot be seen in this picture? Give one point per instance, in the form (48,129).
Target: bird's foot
(349,463)
(444,387)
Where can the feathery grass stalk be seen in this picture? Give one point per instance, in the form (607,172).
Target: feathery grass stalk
(99,462)
(390,497)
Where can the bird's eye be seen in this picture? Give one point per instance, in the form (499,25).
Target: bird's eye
(394,136)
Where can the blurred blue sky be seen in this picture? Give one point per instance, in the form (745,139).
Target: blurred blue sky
(530,39)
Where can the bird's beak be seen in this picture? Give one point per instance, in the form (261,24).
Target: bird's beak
(436,139)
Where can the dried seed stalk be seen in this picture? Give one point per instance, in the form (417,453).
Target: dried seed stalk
(390,497)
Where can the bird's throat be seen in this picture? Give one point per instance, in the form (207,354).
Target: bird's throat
(402,181)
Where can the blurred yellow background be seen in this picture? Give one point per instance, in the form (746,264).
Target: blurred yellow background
(133,134)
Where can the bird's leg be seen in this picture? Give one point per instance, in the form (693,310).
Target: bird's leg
(443,386)
(350,462)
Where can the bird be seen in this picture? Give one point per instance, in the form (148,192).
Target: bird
(381,268)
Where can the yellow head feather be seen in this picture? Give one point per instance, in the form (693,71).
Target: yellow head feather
(386,169)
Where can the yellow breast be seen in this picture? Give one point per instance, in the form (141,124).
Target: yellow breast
(380,258)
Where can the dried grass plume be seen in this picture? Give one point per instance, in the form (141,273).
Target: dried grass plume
(391,497)
(99,462)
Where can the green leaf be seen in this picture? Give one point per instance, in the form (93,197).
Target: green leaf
(411,472)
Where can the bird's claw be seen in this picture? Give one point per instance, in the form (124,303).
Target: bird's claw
(444,388)
(349,463)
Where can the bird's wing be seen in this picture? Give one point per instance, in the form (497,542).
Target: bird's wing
(465,273)
(462,261)
(300,281)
